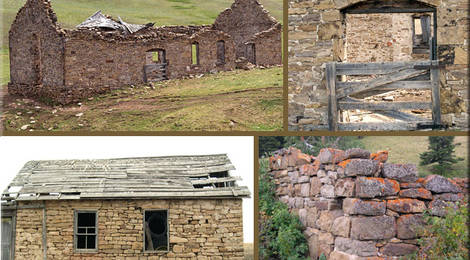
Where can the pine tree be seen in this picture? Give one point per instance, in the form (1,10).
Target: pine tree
(440,151)
(268,144)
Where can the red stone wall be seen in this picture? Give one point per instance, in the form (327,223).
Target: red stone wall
(356,205)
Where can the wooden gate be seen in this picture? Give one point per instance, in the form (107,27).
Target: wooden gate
(155,72)
(390,76)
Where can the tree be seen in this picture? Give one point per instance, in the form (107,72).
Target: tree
(440,151)
(268,144)
(313,144)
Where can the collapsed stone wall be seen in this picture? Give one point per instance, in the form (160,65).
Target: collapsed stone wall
(36,49)
(354,205)
(64,66)
(202,229)
(317,36)
(242,21)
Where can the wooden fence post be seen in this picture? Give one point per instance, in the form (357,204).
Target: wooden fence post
(436,103)
(332,101)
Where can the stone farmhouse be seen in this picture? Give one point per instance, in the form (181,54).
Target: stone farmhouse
(64,65)
(355,205)
(147,208)
(379,39)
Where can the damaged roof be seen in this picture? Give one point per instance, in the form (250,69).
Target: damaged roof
(196,176)
(99,20)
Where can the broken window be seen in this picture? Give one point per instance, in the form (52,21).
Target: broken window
(156,230)
(421,34)
(195,53)
(7,237)
(220,52)
(155,56)
(86,230)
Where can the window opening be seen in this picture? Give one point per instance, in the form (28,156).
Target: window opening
(86,230)
(195,53)
(7,235)
(421,34)
(220,52)
(156,230)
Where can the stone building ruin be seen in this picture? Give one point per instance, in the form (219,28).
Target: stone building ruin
(169,207)
(355,205)
(427,34)
(65,65)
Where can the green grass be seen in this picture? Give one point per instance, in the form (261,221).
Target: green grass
(232,100)
(406,149)
(163,12)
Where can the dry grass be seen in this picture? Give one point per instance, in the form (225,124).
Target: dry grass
(406,149)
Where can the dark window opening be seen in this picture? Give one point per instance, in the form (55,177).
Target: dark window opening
(7,238)
(251,53)
(421,34)
(156,230)
(220,52)
(86,230)
(203,186)
(218,174)
(195,53)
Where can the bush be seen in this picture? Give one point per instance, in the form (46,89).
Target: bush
(280,232)
(446,237)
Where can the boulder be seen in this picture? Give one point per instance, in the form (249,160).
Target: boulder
(449,196)
(327,191)
(420,193)
(345,187)
(439,207)
(355,247)
(398,249)
(361,167)
(380,156)
(305,189)
(353,206)
(409,225)
(331,156)
(315,185)
(440,184)
(341,226)
(400,172)
(368,228)
(370,187)
(357,153)
(327,218)
(406,205)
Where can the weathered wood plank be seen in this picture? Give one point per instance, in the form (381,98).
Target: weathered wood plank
(332,96)
(383,105)
(436,103)
(376,68)
(421,84)
(378,82)
(380,126)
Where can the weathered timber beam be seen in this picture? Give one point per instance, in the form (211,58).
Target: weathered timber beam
(384,105)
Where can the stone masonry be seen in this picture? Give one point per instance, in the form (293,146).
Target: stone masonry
(320,32)
(202,229)
(63,65)
(355,205)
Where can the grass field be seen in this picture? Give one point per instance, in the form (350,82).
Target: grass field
(233,100)
(162,12)
(406,149)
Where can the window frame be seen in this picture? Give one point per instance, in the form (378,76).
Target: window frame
(167,231)
(75,231)
(421,47)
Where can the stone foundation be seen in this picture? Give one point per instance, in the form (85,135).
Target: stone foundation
(355,205)
(202,229)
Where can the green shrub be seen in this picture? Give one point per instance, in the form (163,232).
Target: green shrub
(280,232)
(446,237)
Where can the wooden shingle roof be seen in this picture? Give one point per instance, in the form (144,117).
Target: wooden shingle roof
(197,176)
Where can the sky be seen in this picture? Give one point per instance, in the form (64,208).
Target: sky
(16,151)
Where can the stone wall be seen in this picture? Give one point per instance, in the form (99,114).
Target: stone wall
(202,229)
(64,66)
(354,205)
(36,49)
(317,35)
(243,20)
